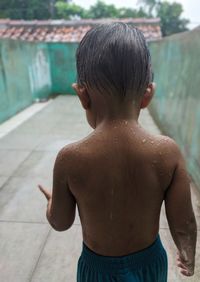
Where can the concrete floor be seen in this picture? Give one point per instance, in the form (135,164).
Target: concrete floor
(29,249)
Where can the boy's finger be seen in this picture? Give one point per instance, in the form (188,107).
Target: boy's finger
(182,266)
(180,260)
(185,270)
(46,193)
(186,273)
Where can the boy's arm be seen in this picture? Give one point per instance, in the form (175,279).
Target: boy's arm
(180,215)
(61,204)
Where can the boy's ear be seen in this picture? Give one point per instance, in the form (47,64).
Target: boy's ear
(148,95)
(83,95)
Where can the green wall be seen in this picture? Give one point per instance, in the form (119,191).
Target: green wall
(176,105)
(33,70)
(24,75)
(63,66)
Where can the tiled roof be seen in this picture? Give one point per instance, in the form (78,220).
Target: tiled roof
(69,31)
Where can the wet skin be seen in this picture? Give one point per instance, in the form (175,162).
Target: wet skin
(119,177)
(119,181)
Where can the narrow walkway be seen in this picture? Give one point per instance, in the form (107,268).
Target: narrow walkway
(29,249)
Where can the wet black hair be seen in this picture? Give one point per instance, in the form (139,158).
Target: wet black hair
(114,59)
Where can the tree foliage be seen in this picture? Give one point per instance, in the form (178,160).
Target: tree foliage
(68,10)
(27,10)
(150,5)
(131,13)
(102,10)
(170,15)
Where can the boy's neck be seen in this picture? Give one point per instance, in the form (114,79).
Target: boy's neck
(108,111)
(117,117)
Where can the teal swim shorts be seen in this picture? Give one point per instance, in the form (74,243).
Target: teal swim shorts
(147,265)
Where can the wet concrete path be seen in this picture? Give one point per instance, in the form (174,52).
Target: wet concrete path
(29,249)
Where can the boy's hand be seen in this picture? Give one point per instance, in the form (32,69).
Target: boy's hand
(187,268)
(45,192)
(48,197)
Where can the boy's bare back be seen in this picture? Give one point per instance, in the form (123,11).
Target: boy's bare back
(119,176)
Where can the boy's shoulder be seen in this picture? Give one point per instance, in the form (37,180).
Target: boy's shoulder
(167,142)
(167,147)
(164,139)
(168,157)
(73,152)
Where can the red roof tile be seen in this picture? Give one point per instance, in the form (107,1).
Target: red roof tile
(69,31)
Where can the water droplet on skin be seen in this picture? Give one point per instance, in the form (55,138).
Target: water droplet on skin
(144,140)
(152,142)
(160,153)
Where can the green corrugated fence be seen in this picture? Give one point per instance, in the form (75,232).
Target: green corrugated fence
(33,70)
(63,66)
(24,75)
(176,105)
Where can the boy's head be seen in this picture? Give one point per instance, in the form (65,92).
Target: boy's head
(113,61)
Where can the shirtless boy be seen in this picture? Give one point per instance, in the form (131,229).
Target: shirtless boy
(120,174)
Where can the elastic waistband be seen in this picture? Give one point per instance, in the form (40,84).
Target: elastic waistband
(123,263)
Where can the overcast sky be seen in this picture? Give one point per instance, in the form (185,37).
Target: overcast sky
(191,7)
